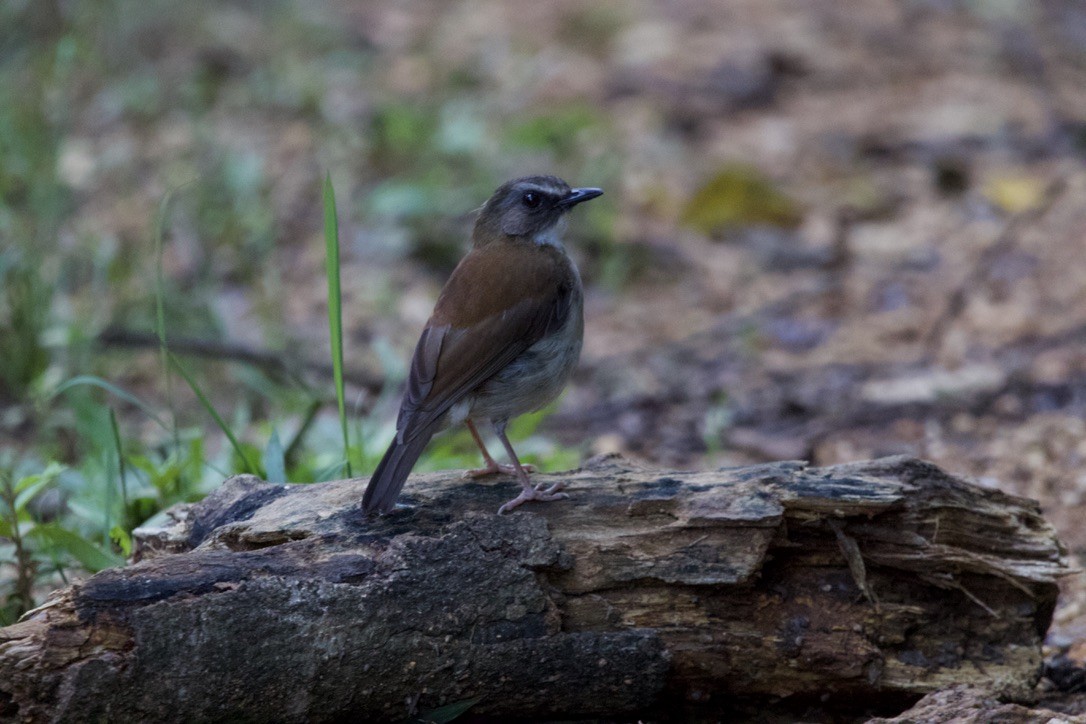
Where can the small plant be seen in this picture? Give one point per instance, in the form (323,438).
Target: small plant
(39,547)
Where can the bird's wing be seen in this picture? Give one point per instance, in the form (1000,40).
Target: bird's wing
(471,337)
(450,362)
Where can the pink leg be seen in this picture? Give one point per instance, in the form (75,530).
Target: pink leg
(492,467)
(528,492)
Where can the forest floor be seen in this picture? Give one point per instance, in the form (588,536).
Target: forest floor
(830,231)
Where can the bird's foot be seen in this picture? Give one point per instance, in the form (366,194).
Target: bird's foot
(494,468)
(542,488)
(530,493)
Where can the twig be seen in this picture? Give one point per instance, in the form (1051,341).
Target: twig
(851,551)
(1003,243)
(307,422)
(268,360)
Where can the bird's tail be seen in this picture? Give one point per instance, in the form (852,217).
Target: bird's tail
(391,473)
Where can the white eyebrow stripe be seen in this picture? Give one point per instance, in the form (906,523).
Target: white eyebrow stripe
(548,190)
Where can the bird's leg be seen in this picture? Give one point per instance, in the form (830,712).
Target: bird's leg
(492,467)
(527,492)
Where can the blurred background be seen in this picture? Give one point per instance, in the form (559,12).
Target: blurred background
(831,231)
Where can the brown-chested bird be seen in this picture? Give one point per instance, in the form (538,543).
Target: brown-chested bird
(503,339)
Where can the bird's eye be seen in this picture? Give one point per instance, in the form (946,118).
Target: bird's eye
(531,199)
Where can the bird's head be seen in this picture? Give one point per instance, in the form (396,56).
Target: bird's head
(528,207)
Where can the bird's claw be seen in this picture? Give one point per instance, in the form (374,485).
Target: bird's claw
(532,494)
(542,488)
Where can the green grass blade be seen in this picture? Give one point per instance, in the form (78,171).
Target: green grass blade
(335,306)
(113,389)
(160,277)
(120,460)
(249,467)
(87,553)
(307,422)
(160,310)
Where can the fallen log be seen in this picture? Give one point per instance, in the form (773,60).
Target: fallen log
(963,704)
(656,594)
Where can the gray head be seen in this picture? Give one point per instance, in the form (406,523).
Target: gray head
(528,206)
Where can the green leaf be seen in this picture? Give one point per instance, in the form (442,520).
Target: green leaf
(31,485)
(120,536)
(275,460)
(335,306)
(447,713)
(87,553)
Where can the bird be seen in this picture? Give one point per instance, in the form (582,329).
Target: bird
(503,339)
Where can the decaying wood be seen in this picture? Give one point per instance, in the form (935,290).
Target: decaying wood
(649,593)
(968,705)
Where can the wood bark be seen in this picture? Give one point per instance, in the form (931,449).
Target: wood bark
(968,705)
(655,594)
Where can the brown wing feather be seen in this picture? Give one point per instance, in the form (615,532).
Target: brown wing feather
(473,333)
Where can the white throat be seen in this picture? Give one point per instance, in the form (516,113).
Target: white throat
(551,236)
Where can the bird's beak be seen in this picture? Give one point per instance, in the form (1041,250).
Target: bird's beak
(576,196)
